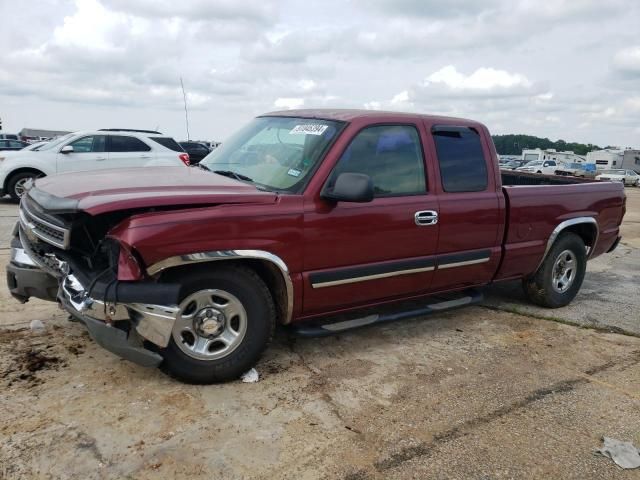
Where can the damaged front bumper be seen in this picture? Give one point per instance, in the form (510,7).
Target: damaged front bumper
(120,327)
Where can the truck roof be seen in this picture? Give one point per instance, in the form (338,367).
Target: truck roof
(348,115)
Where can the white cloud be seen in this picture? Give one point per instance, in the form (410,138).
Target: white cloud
(92,27)
(373,105)
(632,104)
(628,60)
(307,85)
(248,10)
(482,80)
(520,66)
(288,103)
(400,98)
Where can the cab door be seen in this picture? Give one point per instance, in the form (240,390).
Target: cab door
(471,215)
(360,253)
(89,153)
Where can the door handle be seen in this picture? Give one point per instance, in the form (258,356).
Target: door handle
(101,158)
(426,217)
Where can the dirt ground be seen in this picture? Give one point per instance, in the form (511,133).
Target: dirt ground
(492,391)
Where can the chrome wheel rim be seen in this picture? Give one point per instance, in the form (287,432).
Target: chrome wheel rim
(210,325)
(19,187)
(564,271)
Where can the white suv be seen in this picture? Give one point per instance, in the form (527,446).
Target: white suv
(88,150)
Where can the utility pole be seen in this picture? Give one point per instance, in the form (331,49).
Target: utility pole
(186,113)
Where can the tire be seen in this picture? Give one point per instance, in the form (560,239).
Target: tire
(15,185)
(192,356)
(546,287)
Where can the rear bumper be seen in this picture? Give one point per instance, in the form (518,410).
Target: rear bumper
(615,244)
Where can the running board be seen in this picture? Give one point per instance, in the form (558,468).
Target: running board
(388,313)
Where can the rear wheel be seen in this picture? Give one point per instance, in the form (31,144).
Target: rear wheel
(558,280)
(16,186)
(226,320)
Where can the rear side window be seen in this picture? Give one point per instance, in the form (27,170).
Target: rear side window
(168,142)
(121,143)
(90,144)
(391,155)
(462,163)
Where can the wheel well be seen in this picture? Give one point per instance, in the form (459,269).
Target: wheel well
(267,271)
(20,170)
(586,231)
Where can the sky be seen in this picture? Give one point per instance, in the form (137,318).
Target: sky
(567,69)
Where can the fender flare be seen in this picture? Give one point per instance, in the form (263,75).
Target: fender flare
(567,224)
(222,255)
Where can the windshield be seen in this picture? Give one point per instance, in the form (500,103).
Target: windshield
(614,172)
(54,143)
(277,153)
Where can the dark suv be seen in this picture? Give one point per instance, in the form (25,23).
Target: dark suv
(197,151)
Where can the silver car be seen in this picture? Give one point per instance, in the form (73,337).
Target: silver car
(628,177)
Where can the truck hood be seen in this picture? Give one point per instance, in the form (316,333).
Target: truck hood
(105,191)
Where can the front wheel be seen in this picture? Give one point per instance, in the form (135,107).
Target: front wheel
(226,320)
(558,280)
(18,183)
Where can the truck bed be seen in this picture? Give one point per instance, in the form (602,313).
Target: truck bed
(523,178)
(536,204)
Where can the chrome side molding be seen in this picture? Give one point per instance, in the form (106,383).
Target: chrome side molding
(463,263)
(219,255)
(376,276)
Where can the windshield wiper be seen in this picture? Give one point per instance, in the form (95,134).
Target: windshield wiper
(231,174)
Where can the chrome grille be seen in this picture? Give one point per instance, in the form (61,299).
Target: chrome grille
(46,261)
(43,229)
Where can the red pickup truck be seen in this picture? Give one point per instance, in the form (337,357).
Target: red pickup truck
(323,219)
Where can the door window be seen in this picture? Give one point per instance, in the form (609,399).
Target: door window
(462,164)
(89,144)
(121,143)
(391,155)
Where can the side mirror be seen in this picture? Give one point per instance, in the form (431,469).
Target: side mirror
(66,149)
(350,187)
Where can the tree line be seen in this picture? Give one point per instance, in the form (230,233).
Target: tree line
(514,144)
